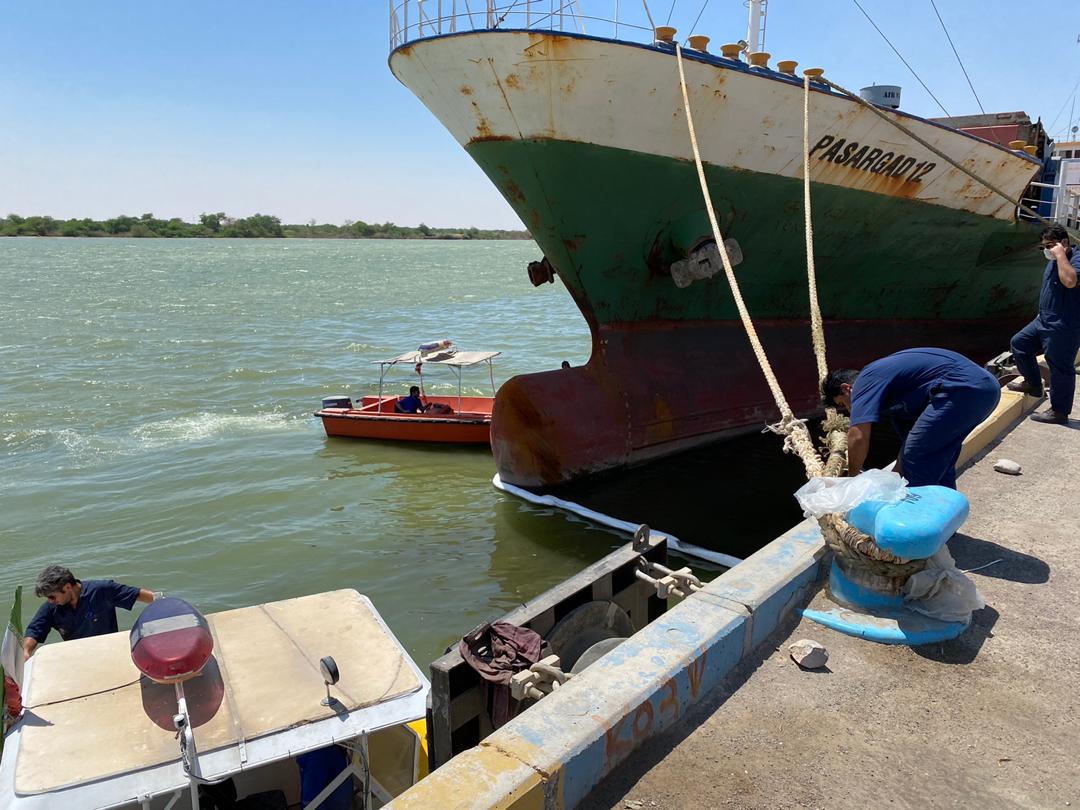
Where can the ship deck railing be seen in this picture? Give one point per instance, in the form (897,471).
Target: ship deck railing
(617,19)
(1062,203)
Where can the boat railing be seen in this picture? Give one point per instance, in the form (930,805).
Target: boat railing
(418,19)
(1062,204)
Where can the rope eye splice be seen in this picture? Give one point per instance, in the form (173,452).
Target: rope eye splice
(863,576)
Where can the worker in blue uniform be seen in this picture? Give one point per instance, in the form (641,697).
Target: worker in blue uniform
(77,609)
(1055,332)
(934,398)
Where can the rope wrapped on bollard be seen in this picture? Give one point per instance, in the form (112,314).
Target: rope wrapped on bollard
(858,553)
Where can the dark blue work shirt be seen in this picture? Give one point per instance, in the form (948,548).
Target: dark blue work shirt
(1059,306)
(410,404)
(94,615)
(900,385)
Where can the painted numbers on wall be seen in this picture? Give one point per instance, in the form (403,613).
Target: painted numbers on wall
(635,727)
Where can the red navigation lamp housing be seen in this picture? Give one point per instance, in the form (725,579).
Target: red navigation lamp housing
(171,641)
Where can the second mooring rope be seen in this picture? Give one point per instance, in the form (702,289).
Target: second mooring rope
(835,426)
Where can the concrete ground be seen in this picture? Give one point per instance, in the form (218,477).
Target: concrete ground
(989,720)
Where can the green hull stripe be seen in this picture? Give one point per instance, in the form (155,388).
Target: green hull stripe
(608,220)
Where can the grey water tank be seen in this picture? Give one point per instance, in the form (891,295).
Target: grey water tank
(884,95)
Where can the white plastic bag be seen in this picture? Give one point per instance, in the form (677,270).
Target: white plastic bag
(942,591)
(822,496)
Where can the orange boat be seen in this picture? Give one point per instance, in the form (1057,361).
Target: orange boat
(450,420)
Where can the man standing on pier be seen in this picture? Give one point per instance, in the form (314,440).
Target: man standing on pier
(78,609)
(934,398)
(1055,332)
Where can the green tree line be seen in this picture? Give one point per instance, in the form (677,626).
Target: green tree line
(259,226)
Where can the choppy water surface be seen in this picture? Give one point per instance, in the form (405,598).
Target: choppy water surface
(156,427)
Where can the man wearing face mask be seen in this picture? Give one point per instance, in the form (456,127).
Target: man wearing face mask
(1055,332)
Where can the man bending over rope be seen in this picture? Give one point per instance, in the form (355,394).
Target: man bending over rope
(934,398)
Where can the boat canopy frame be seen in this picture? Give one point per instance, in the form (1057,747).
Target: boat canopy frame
(454,359)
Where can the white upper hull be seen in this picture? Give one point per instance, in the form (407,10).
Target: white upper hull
(511,85)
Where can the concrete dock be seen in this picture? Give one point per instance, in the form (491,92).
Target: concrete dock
(989,720)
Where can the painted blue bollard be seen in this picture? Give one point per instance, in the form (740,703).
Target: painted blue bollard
(912,529)
(916,527)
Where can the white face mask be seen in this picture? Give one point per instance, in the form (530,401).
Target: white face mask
(1048,254)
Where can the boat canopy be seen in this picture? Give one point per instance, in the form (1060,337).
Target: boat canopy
(445,357)
(96,734)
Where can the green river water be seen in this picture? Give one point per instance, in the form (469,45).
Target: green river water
(156,427)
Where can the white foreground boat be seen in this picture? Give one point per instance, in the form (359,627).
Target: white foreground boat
(95,733)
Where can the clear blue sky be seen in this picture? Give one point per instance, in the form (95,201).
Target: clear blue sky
(288,108)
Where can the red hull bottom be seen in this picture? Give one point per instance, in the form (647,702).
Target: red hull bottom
(651,390)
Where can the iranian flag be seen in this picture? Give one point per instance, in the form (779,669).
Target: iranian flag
(11,663)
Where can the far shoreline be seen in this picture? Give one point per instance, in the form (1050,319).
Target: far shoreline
(525,238)
(221,226)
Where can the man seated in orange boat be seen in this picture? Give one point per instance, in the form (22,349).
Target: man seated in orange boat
(412,403)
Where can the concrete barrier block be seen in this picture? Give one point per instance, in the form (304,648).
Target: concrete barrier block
(773,581)
(1012,406)
(635,691)
(483,777)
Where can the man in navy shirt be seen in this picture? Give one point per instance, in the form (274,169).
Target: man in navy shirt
(934,398)
(1056,330)
(78,609)
(412,403)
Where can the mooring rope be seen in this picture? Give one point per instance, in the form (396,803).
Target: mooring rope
(855,548)
(817,330)
(835,426)
(796,435)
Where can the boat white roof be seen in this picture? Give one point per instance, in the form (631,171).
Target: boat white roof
(445,357)
(95,733)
